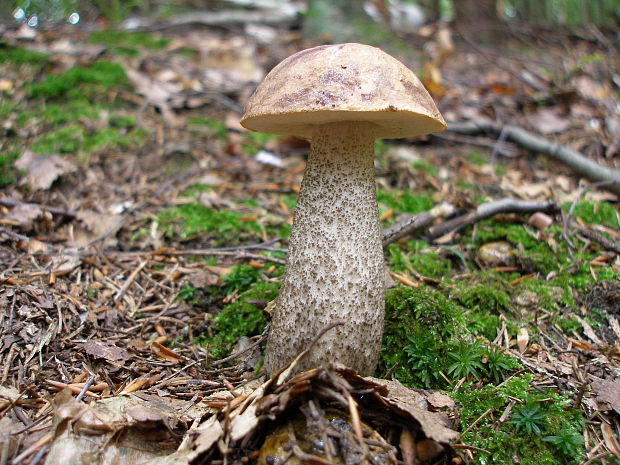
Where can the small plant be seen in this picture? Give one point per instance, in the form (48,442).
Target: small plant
(188,293)
(467,361)
(498,364)
(528,417)
(423,359)
(568,442)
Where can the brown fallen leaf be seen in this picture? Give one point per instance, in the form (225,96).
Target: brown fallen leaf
(549,121)
(105,350)
(42,171)
(611,440)
(165,353)
(24,214)
(609,392)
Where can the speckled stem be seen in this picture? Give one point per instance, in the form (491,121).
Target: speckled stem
(335,260)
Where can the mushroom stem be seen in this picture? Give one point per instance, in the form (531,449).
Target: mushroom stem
(335,268)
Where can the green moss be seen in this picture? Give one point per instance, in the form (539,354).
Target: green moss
(8,173)
(430,264)
(415,256)
(55,114)
(74,138)
(220,226)
(596,213)
(218,127)
(240,318)
(489,292)
(240,278)
(427,343)
(79,81)
(422,319)
(541,427)
(128,43)
(405,201)
(425,167)
(68,139)
(21,56)
(477,158)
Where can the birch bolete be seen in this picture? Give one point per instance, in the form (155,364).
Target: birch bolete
(341,97)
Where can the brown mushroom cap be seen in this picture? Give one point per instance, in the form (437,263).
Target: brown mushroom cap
(344,82)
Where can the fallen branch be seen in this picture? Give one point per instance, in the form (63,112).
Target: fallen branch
(567,156)
(413,223)
(489,209)
(602,240)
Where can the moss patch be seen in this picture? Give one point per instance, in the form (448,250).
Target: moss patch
(405,202)
(79,82)
(21,56)
(426,342)
(128,43)
(416,257)
(540,429)
(220,226)
(8,173)
(240,318)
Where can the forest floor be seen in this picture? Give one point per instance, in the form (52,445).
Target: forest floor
(143,232)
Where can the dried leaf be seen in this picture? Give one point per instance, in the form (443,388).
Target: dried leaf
(65,262)
(523,338)
(104,350)
(207,435)
(548,121)
(24,214)
(144,428)
(609,392)
(165,353)
(42,171)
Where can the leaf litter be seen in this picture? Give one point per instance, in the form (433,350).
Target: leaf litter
(100,356)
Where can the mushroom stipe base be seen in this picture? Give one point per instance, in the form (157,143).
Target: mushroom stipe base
(335,263)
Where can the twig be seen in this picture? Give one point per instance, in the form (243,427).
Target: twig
(602,240)
(470,427)
(565,155)
(569,216)
(7,202)
(39,455)
(21,237)
(596,457)
(413,223)
(87,385)
(468,447)
(129,281)
(503,148)
(489,209)
(240,352)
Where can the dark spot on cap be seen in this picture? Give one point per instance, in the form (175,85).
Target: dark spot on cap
(333,77)
(411,88)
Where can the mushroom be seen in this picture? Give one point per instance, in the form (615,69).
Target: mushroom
(341,97)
